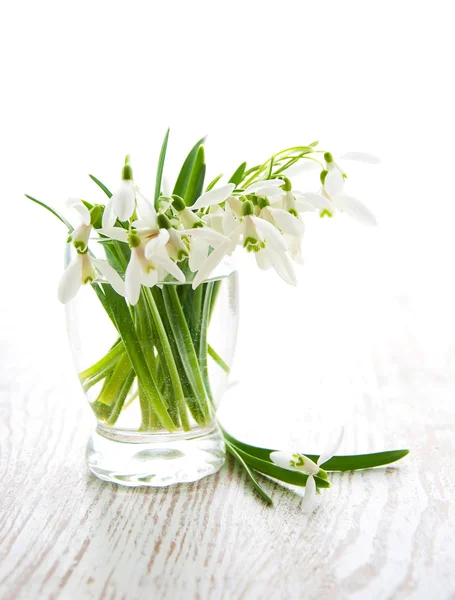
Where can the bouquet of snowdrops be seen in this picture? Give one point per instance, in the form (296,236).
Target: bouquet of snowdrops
(182,234)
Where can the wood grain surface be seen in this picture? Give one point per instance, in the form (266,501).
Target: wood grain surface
(387,533)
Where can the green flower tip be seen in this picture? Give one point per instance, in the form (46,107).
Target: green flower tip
(262,201)
(178,203)
(163,222)
(247,208)
(323,175)
(133,239)
(287,187)
(80,246)
(127,171)
(95,213)
(328,157)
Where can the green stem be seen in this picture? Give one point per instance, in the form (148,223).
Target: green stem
(169,360)
(185,346)
(125,326)
(113,388)
(217,358)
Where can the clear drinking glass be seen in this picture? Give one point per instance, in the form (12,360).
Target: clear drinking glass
(154,375)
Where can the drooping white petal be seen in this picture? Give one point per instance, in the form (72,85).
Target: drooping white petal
(111,275)
(365,157)
(115,233)
(330,452)
(210,264)
(309,497)
(169,265)
(261,260)
(109,216)
(269,233)
(334,182)
(282,265)
(150,274)
(80,208)
(356,209)
(258,186)
(157,242)
(229,221)
(215,196)
(133,279)
(211,236)
(199,249)
(287,222)
(316,200)
(146,210)
(294,248)
(123,200)
(188,218)
(71,280)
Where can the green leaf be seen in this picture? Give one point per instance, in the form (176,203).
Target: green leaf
(337,463)
(259,489)
(213,183)
(238,174)
(196,180)
(159,171)
(184,176)
(101,185)
(53,211)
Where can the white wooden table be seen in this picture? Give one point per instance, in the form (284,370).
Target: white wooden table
(387,533)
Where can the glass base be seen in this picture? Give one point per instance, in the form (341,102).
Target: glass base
(155,460)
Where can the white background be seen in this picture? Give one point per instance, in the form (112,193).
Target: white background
(84,83)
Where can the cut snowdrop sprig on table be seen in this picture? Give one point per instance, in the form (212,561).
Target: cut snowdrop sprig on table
(294,461)
(130,247)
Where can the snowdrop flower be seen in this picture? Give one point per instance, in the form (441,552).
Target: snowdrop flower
(202,237)
(83,268)
(80,236)
(300,462)
(149,260)
(122,203)
(332,188)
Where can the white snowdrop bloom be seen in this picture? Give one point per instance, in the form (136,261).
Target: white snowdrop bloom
(146,263)
(257,235)
(122,203)
(149,259)
(299,462)
(81,233)
(201,240)
(333,190)
(82,270)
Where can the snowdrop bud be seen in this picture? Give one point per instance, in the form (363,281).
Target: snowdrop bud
(127,171)
(163,222)
(287,187)
(133,239)
(178,203)
(323,175)
(95,213)
(247,208)
(262,202)
(328,157)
